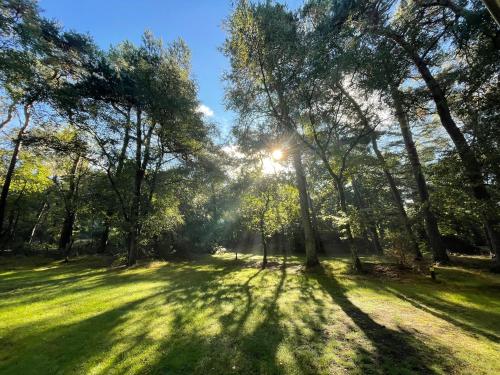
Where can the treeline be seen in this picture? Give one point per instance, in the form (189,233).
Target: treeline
(100,147)
(389,113)
(363,126)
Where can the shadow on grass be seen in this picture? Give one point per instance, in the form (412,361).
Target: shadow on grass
(474,321)
(395,351)
(240,346)
(50,347)
(208,317)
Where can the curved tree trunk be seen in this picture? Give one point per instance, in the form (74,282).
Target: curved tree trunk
(437,247)
(12,165)
(472,166)
(396,195)
(10,114)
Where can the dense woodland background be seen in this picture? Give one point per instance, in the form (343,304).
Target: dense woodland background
(364,127)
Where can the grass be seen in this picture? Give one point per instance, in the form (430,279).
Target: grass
(218,316)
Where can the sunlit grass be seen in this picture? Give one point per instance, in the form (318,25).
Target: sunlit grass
(217,315)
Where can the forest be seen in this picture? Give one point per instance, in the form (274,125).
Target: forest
(347,222)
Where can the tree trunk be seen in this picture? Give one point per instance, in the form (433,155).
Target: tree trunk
(339,186)
(264,243)
(13,227)
(396,195)
(136,200)
(65,238)
(10,114)
(66,233)
(369,225)
(314,222)
(472,166)
(495,245)
(37,223)
(437,247)
(350,239)
(494,8)
(310,244)
(12,166)
(103,243)
(132,247)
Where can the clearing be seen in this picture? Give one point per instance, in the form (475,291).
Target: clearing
(220,316)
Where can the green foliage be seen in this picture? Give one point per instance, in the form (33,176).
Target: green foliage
(269,206)
(316,81)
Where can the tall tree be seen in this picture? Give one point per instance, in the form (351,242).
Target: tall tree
(261,38)
(396,195)
(148,101)
(37,56)
(424,47)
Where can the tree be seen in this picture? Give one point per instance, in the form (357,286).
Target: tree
(37,56)
(424,47)
(150,90)
(269,206)
(261,38)
(397,198)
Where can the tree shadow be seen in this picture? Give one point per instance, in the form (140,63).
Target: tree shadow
(213,317)
(237,348)
(477,319)
(394,351)
(52,347)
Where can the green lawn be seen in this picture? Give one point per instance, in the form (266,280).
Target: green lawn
(218,316)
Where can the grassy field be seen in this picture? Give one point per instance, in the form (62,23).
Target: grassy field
(218,316)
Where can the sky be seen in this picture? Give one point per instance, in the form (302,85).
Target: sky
(198,22)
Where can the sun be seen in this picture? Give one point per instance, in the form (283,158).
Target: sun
(277,154)
(270,164)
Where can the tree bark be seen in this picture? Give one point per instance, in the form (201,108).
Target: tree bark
(37,223)
(10,114)
(12,165)
(65,238)
(136,200)
(369,224)
(472,167)
(347,227)
(339,186)
(264,243)
(494,8)
(314,222)
(66,233)
(310,244)
(396,195)
(432,230)
(104,240)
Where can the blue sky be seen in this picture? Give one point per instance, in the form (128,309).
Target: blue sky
(198,22)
